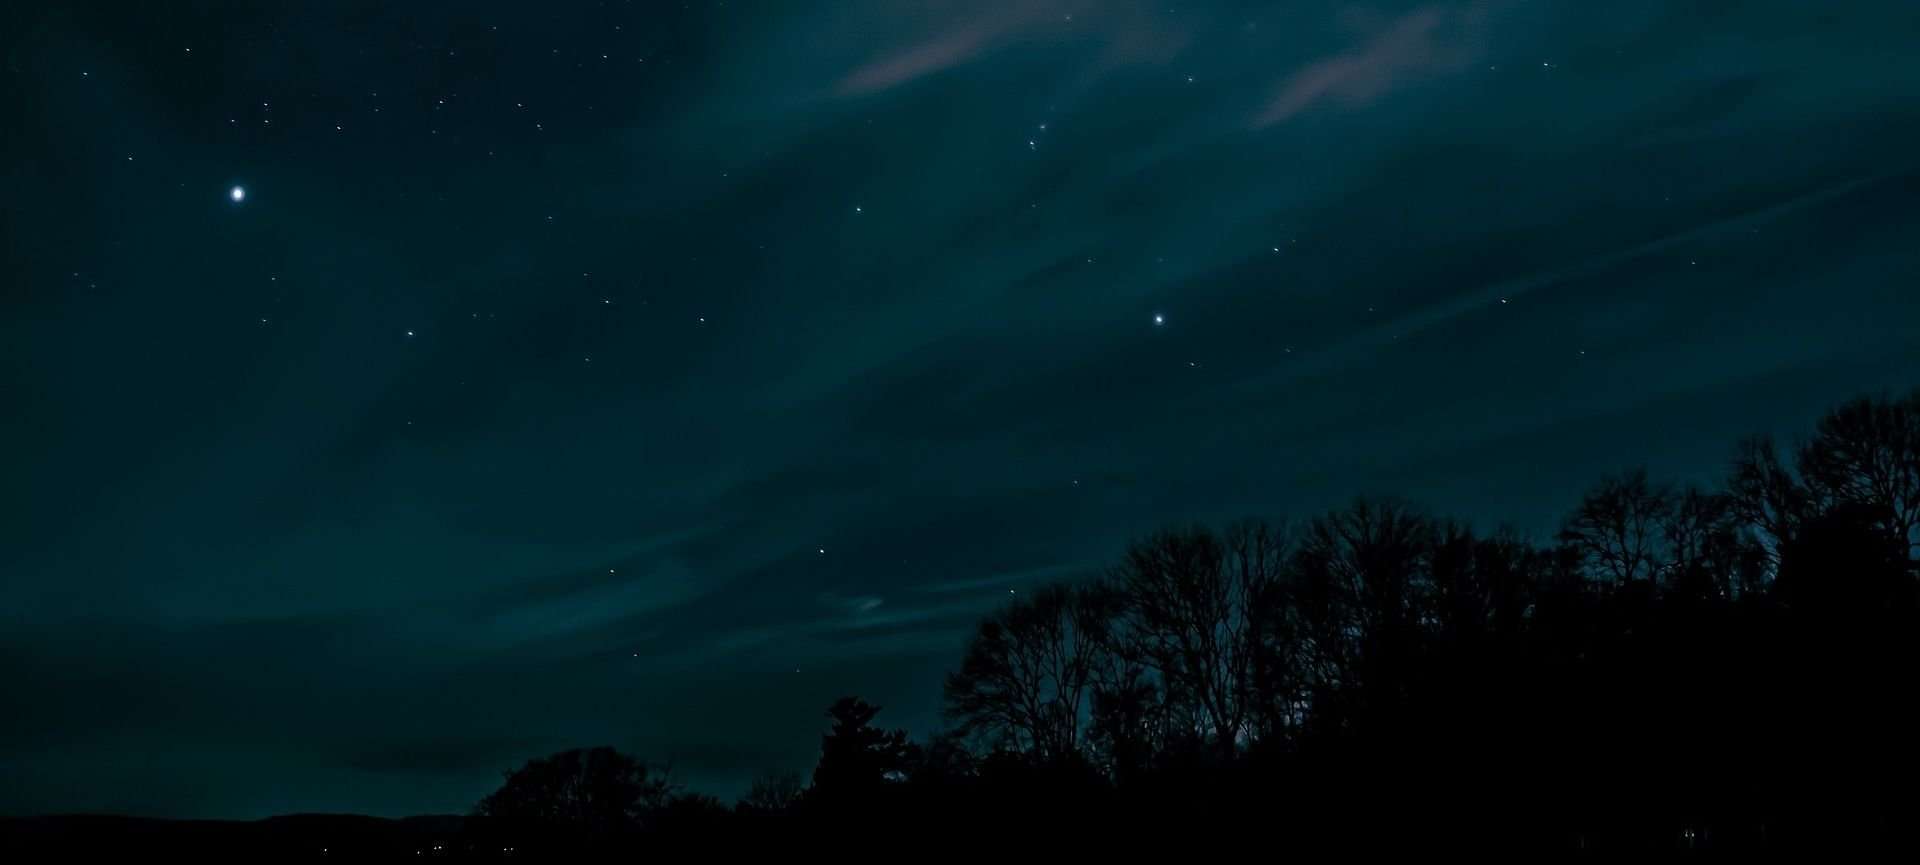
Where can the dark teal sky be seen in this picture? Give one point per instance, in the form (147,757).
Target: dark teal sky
(652,374)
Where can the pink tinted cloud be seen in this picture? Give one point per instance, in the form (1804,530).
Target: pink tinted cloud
(1127,33)
(1423,42)
(947,50)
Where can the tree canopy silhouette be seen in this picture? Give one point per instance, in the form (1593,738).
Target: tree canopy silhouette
(1681,666)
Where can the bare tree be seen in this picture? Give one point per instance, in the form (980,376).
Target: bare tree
(594,791)
(772,793)
(1026,676)
(1191,619)
(1867,452)
(1478,587)
(1618,527)
(1707,549)
(1360,586)
(1766,495)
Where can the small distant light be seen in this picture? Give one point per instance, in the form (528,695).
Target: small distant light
(237,194)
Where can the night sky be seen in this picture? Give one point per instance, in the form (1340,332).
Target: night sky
(651,374)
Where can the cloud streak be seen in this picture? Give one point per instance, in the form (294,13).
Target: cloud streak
(1429,41)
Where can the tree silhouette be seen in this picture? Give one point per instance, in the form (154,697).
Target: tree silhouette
(1847,566)
(858,759)
(1618,527)
(1710,553)
(1192,620)
(1765,495)
(1864,453)
(1686,668)
(1867,452)
(772,793)
(1024,681)
(593,792)
(1361,585)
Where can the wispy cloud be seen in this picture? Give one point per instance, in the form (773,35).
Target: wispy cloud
(941,52)
(1049,573)
(1427,41)
(1127,33)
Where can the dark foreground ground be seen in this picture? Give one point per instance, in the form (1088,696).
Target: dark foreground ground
(330,837)
(297,837)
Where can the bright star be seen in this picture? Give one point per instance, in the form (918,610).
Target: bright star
(238,194)
(1159,319)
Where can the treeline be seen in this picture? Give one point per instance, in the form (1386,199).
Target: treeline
(1681,667)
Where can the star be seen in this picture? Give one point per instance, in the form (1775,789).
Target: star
(1159,320)
(409,333)
(237,194)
